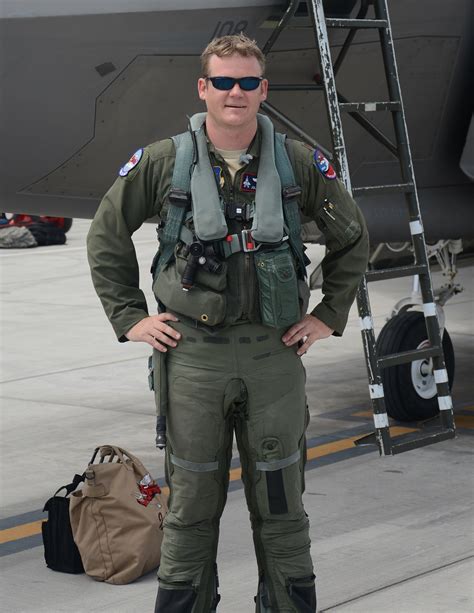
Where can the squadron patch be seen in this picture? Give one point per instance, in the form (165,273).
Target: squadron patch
(249,182)
(132,162)
(323,165)
(219,176)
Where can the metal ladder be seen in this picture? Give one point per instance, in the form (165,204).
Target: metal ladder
(336,104)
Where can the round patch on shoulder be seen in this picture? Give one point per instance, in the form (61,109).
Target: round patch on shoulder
(132,162)
(323,165)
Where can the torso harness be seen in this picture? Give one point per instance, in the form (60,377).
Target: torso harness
(194,195)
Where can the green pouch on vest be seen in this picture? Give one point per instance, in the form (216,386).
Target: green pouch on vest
(278,287)
(201,304)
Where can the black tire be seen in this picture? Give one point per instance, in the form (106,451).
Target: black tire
(409,394)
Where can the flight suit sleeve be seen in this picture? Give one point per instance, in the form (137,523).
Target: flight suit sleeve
(327,202)
(133,198)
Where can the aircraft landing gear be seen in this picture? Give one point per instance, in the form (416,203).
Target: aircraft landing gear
(410,389)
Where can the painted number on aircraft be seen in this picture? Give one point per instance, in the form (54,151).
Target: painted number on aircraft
(223,28)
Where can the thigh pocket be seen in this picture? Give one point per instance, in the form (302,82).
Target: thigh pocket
(279,492)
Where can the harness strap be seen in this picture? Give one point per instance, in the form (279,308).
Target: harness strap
(179,199)
(179,205)
(291,210)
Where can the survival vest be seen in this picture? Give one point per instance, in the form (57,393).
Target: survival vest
(276,212)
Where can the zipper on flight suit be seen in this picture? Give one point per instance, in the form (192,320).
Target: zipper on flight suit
(246,271)
(247,276)
(342,228)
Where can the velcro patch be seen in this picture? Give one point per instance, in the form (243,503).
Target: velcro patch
(132,162)
(323,165)
(219,176)
(249,182)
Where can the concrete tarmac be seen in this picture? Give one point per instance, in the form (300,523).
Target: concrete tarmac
(391,534)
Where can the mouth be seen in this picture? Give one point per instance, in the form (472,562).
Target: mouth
(235,106)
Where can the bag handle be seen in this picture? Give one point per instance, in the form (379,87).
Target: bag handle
(73,485)
(120,452)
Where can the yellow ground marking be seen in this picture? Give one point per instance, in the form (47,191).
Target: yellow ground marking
(33,528)
(348,443)
(464,421)
(20,532)
(362,414)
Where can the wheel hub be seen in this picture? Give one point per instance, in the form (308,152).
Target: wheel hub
(422,375)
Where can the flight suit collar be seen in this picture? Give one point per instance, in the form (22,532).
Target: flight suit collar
(253,149)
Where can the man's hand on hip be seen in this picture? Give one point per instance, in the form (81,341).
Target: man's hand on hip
(308,330)
(154,331)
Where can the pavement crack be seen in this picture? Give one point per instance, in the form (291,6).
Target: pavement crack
(406,580)
(65,370)
(76,406)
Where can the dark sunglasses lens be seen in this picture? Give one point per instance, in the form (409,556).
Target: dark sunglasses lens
(249,83)
(223,83)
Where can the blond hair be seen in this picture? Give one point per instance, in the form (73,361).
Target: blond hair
(231,44)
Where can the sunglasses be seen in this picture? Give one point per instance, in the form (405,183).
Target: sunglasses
(247,84)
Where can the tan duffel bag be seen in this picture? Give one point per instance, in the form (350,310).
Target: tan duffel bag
(117,517)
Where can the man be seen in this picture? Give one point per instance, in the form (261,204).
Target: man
(231,322)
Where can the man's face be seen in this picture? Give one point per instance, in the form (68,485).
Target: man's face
(235,107)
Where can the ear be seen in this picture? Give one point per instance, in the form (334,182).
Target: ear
(202,88)
(263,90)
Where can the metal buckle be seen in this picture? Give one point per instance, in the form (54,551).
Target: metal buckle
(239,211)
(291,192)
(179,197)
(248,243)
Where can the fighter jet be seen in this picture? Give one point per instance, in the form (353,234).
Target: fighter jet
(85,84)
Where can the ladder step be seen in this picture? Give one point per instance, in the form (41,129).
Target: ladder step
(416,440)
(395,359)
(288,87)
(356,23)
(396,272)
(369,107)
(372,189)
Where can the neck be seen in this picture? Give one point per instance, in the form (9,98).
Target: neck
(230,138)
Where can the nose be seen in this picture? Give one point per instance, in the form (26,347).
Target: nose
(236,90)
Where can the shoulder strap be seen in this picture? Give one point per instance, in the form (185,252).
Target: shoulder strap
(290,192)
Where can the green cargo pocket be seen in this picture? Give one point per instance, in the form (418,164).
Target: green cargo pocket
(282,493)
(339,229)
(198,303)
(278,287)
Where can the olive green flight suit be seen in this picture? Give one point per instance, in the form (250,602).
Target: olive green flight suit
(237,377)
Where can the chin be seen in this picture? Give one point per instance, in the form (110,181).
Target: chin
(236,116)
